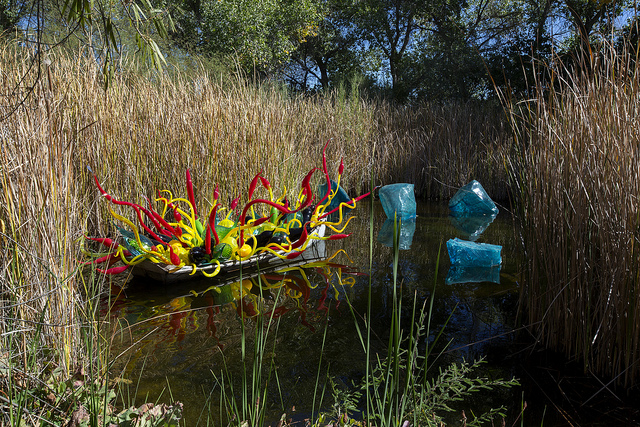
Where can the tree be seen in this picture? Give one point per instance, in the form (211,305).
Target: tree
(42,26)
(11,11)
(435,49)
(328,57)
(585,15)
(387,28)
(261,35)
(446,66)
(515,37)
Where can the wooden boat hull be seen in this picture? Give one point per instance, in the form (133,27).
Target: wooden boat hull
(263,262)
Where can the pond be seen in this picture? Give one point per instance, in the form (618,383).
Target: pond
(172,342)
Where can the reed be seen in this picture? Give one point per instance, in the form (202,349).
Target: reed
(577,174)
(441,147)
(142,135)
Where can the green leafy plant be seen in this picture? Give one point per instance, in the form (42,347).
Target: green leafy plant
(80,401)
(345,400)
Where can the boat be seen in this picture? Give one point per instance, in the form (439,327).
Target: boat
(230,269)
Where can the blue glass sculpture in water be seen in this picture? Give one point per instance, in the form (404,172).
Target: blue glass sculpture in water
(340,197)
(463,252)
(472,199)
(472,274)
(398,199)
(471,226)
(407,229)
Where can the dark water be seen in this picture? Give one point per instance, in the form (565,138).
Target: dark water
(173,342)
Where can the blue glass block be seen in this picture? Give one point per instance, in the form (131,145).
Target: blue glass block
(472,199)
(407,229)
(471,226)
(463,252)
(398,199)
(472,274)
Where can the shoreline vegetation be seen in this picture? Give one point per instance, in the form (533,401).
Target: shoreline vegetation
(576,173)
(567,159)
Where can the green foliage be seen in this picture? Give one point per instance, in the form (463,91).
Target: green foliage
(11,11)
(454,384)
(389,29)
(398,389)
(101,23)
(245,404)
(149,415)
(445,65)
(428,401)
(405,50)
(261,35)
(329,56)
(345,400)
(106,30)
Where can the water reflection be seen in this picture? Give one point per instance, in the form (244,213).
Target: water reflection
(182,335)
(472,226)
(186,334)
(157,315)
(407,230)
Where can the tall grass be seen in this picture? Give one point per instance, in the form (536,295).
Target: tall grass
(441,147)
(141,136)
(578,177)
(248,404)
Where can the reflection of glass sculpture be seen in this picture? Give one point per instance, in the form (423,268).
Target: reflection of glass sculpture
(472,274)
(187,243)
(407,229)
(472,226)
(168,315)
(472,211)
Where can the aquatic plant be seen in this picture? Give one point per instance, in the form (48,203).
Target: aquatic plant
(399,386)
(279,228)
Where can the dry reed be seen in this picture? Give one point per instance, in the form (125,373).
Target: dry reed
(578,178)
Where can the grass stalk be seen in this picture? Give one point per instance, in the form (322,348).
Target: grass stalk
(315,389)
(369,298)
